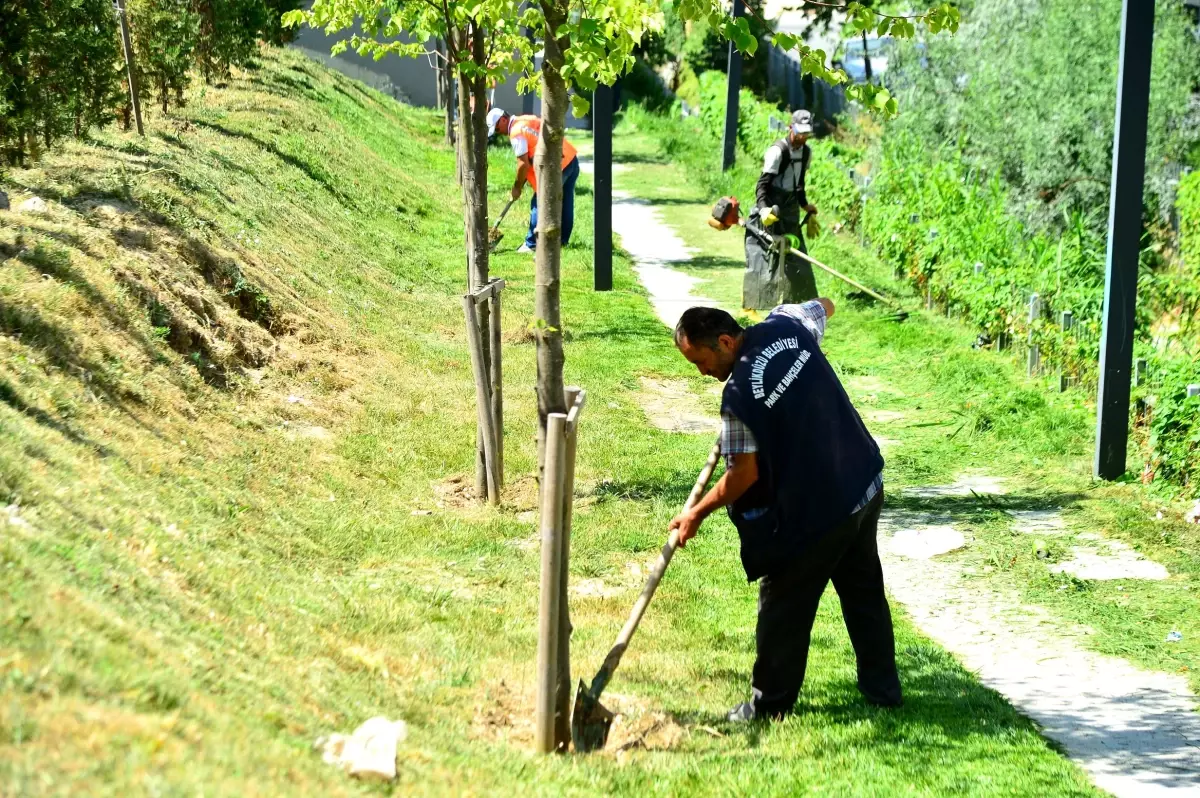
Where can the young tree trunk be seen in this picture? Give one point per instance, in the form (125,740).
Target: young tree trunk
(445,92)
(551,399)
(472,160)
(548,163)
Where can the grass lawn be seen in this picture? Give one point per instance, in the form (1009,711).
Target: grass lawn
(967,411)
(236,420)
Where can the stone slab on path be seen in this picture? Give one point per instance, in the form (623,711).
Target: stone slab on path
(883,416)
(964,485)
(918,536)
(1108,560)
(1038,522)
(654,247)
(1105,560)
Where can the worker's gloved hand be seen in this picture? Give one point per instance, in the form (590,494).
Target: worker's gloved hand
(516,193)
(768,216)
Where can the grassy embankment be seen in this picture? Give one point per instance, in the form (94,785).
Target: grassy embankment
(235,398)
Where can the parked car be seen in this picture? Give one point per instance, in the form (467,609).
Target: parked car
(850,54)
(850,57)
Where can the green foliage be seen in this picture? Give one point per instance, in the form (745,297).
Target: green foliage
(165,35)
(1003,155)
(274,31)
(704,50)
(1174,426)
(62,68)
(1187,206)
(599,39)
(1027,91)
(642,85)
(58,72)
(228,33)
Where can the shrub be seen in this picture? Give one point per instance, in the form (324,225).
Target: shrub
(59,72)
(165,35)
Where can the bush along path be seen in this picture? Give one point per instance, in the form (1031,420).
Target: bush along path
(981,530)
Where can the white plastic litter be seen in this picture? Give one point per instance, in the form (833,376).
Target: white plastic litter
(369,753)
(1193,515)
(1175,637)
(12,514)
(33,205)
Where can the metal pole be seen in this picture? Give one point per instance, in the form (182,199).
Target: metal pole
(548,609)
(130,67)
(602,126)
(527,99)
(734,73)
(1124,236)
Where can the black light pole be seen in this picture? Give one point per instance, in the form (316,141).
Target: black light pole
(602,127)
(734,73)
(1124,237)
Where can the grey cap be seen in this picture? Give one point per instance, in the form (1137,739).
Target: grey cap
(802,122)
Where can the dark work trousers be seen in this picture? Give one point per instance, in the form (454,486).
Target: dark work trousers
(787,607)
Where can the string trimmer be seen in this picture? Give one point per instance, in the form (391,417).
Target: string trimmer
(591,721)
(725,214)
(494,235)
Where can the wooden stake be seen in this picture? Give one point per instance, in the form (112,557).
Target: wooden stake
(549,599)
(497,379)
(130,67)
(563,696)
(482,399)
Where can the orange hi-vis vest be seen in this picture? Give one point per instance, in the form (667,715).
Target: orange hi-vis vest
(528,129)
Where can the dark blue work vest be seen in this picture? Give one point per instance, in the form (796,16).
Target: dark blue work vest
(815,456)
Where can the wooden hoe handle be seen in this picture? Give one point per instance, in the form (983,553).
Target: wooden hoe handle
(656,575)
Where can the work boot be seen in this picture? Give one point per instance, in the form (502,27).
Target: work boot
(524,248)
(746,712)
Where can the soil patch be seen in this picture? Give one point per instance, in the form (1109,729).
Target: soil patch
(671,405)
(505,714)
(865,384)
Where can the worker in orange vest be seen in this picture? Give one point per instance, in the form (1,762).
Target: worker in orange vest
(523,133)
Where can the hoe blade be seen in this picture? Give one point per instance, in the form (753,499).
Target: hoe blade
(590,721)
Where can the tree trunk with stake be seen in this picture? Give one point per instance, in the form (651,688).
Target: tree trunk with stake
(472,159)
(548,163)
(130,69)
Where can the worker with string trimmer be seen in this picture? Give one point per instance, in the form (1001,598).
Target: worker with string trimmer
(774,278)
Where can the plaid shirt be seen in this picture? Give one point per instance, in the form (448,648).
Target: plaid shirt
(736,437)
